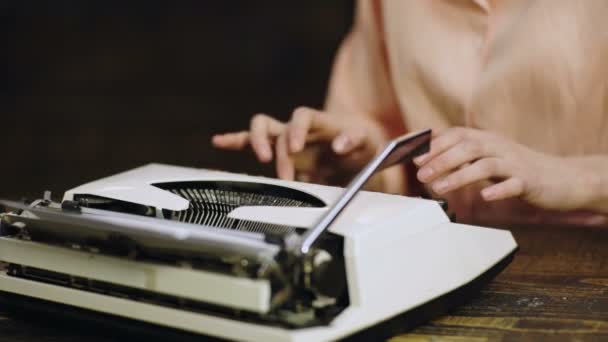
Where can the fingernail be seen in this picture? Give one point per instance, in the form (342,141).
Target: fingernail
(425,173)
(440,186)
(488,194)
(217,139)
(303,177)
(265,154)
(341,143)
(420,159)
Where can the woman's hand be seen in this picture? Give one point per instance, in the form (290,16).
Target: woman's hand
(313,146)
(462,156)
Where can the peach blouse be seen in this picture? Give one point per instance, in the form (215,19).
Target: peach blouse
(535,71)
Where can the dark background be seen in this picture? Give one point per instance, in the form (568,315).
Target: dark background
(94,88)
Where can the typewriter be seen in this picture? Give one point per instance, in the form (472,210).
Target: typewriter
(243,257)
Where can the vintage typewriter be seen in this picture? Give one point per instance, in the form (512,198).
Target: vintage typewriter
(242,257)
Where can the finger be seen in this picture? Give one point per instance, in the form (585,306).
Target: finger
(285,168)
(348,141)
(459,154)
(512,187)
(299,127)
(231,141)
(311,125)
(303,177)
(442,142)
(262,131)
(321,126)
(480,170)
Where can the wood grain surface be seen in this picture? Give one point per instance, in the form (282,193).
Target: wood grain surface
(556,289)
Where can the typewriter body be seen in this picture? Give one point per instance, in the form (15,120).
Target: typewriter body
(243,257)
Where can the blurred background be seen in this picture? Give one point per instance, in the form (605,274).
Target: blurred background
(94,88)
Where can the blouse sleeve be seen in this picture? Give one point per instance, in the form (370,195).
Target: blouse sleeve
(360,84)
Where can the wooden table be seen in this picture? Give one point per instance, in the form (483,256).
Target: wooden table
(556,289)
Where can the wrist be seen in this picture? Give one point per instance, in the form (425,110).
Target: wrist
(595,183)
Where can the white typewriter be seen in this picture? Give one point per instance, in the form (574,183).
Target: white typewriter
(242,257)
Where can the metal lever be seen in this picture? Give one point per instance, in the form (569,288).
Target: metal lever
(398,150)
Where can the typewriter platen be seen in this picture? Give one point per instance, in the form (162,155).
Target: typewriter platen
(244,257)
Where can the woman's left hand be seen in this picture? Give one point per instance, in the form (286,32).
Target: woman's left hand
(462,156)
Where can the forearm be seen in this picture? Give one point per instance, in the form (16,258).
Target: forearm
(361,92)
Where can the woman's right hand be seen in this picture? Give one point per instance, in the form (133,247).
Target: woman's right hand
(313,146)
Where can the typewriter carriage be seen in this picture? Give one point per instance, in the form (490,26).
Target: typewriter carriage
(305,292)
